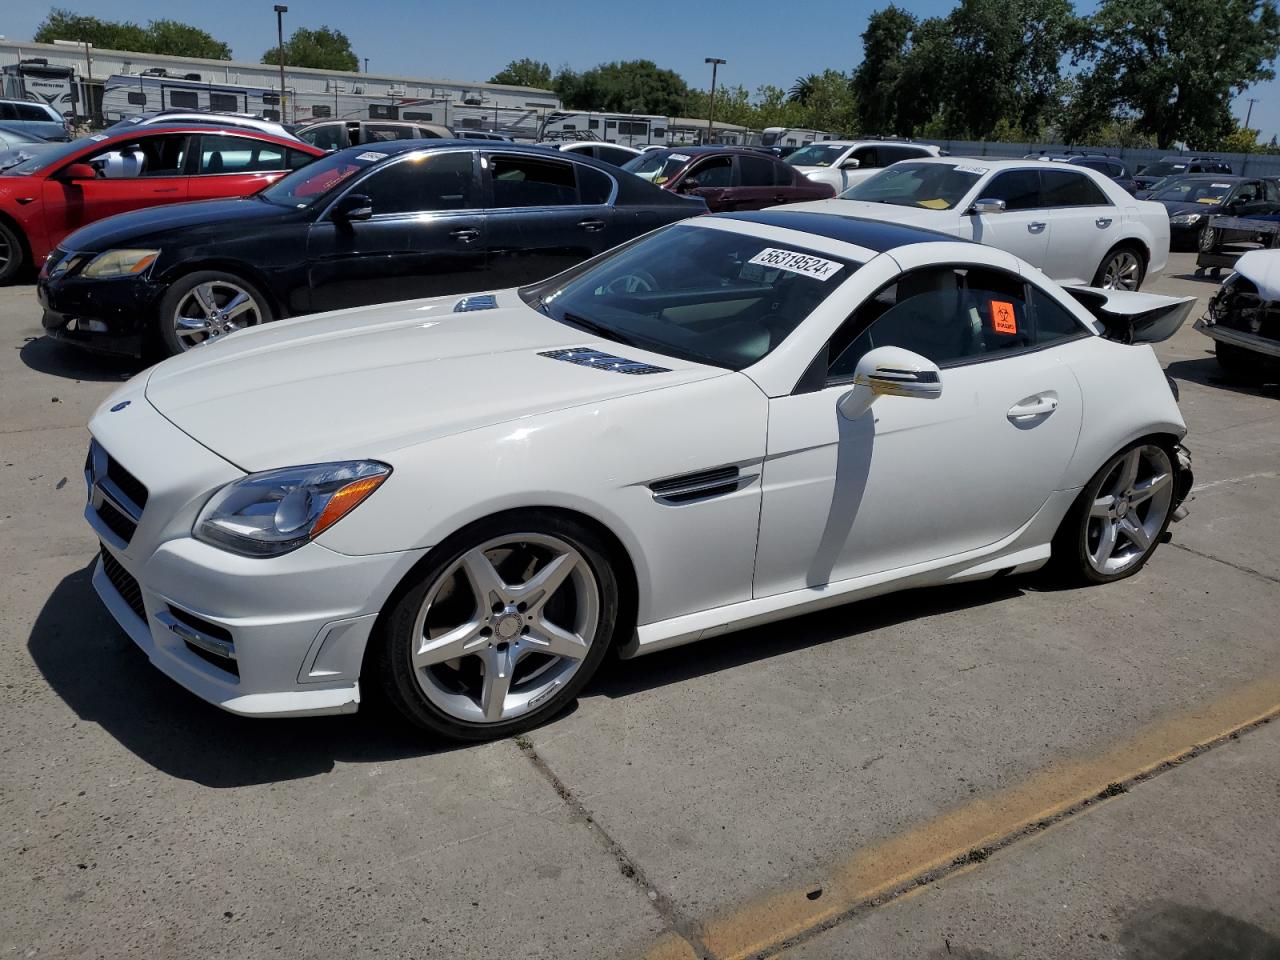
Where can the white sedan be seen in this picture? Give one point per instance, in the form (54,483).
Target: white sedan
(462,503)
(1075,224)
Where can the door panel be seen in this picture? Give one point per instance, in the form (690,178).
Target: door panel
(70,205)
(226,165)
(911,480)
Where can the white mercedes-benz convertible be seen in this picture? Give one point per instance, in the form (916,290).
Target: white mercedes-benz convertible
(465,502)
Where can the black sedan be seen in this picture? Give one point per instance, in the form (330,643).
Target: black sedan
(1191,201)
(363,225)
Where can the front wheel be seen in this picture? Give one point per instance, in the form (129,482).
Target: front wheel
(1208,239)
(502,628)
(1119,518)
(12,256)
(205,306)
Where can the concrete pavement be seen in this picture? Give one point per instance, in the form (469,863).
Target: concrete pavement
(684,791)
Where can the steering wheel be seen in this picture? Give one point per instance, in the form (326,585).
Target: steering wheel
(639,281)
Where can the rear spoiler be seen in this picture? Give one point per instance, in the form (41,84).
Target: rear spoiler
(1132,317)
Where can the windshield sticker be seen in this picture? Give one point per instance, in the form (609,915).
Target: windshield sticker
(935,204)
(679,156)
(370,155)
(1220,186)
(964,168)
(1209,200)
(98,136)
(1003,319)
(661,179)
(800,263)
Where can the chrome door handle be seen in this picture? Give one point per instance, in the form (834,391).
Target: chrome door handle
(1035,226)
(464,234)
(1041,405)
(591,226)
(1103,222)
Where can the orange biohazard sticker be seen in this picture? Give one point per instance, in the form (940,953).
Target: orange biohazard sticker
(1002,317)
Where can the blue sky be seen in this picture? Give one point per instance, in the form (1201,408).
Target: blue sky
(764,41)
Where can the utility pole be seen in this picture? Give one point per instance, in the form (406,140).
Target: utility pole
(366,65)
(1249,113)
(281,10)
(711,107)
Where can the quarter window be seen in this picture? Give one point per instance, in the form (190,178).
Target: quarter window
(1063,188)
(532,182)
(1053,322)
(594,186)
(756,172)
(1019,189)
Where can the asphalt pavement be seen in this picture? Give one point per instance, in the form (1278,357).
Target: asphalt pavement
(983,771)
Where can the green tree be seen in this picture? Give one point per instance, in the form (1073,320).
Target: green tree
(630,86)
(877,80)
(159,36)
(803,89)
(925,82)
(1176,64)
(832,104)
(323,49)
(524,73)
(1241,139)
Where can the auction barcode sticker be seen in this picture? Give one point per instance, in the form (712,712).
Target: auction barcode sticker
(793,262)
(370,155)
(966,168)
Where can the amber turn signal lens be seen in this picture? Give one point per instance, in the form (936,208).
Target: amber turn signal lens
(344,500)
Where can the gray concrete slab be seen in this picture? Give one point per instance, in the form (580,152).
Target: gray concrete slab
(1184,865)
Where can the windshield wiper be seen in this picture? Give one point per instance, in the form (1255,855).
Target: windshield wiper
(597,328)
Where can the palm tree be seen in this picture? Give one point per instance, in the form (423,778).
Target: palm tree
(801,91)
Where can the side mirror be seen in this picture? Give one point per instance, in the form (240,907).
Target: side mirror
(80,171)
(891,372)
(851,164)
(353,207)
(987,205)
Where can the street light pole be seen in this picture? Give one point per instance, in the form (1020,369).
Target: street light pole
(711,107)
(366,65)
(1249,112)
(281,10)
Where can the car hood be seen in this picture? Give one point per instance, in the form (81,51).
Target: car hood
(186,218)
(1176,207)
(1262,267)
(943,220)
(370,381)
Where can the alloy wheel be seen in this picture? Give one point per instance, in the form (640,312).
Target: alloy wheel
(6,252)
(212,310)
(1123,271)
(504,627)
(1208,236)
(1129,509)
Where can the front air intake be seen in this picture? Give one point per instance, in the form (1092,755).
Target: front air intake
(484,301)
(586,357)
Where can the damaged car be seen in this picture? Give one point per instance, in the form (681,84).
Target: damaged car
(1244,316)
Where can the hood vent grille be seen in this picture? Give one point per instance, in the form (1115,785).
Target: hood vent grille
(586,357)
(692,487)
(484,301)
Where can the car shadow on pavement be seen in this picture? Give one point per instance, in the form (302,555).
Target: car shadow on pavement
(46,355)
(1201,277)
(622,678)
(98,671)
(1208,373)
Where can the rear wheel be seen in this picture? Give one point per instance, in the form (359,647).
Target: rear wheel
(12,254)
(502,628)
(205,306)
(1121,269)
(1119,518)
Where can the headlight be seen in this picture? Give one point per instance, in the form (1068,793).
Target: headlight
(1186,219)
(120,263)
(267,514)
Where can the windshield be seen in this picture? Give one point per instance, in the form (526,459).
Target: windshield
(1162,168)
(319,178)
(657,166)
(35,157)
(816,155)
(933,186)
(703,294)
(1194,191)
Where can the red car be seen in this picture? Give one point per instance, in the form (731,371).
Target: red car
(49,190)
(727,178)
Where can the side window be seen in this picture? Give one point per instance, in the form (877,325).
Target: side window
(783,174)
(327,136)
(444,181)
(1247,192)
(714,172)
(382,111)
(613,155)
(422,133)
(949,315)
(1272,190)
(297,159)
(321,110)
(32,112)
(866,157)
(1052,321)
(593,186)
(148,157)
(532,182)
(382,132)
(1064,188)
(186,99)
(223,154)
(9,111)
(1019,189)
(755,172)
(223,101)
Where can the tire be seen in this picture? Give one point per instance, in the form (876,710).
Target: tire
(13,255)
(449,685)
(1123,265)
(1079,553)
(1206,239)
(214,303)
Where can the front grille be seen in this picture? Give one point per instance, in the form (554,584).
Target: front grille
(124,583)
(115,494)
(117,522)
(129,485)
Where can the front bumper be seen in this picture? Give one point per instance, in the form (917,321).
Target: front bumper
(1252,342)
(282,636)
(1186,236)
(110,315)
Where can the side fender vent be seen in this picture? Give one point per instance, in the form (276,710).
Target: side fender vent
(586,357)
(694,487)
(484,301)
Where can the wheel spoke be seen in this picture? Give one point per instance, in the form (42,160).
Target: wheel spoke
(1148,488)
(536,591)
(1128,472)
(238,305)
(1132,528)
(1102,506)
(1106,545)
(190,326)
(204,295)
(499,664)
(458,642)
(484,579)
(546,637)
